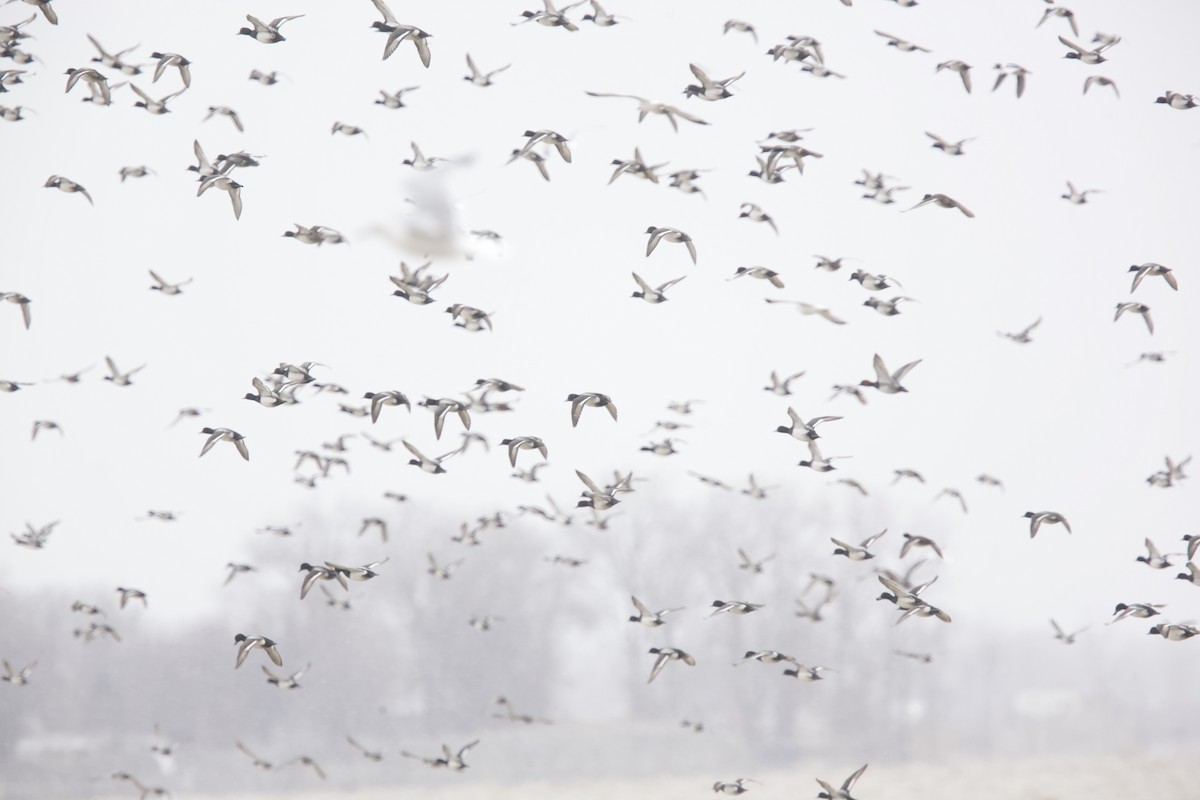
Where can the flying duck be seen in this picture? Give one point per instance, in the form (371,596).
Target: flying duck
(1036,518)
(248,643)
(225,435)
(578,401)
(860,553)
(889,383)
(267,33)
(842,793)
(666,654)
(654,295)
(651,619)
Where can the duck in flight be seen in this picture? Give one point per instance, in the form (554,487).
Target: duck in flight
(267,33)
(646,107)
(673,235)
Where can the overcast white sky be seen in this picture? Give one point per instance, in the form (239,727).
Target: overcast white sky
(1063,421)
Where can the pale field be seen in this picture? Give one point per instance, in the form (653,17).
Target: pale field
(1111,777)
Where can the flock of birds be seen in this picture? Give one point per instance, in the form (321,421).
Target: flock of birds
(781,156)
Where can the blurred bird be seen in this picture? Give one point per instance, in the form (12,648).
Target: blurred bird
(267,33)
(666,654)
(248,643)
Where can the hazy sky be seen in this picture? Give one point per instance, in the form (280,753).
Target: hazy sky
(1065,421)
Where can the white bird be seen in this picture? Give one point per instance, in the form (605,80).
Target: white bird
(754,213)
(1062,12)
(481,78)
(903,45)
(225,435)
(1077,197)
(266,32)
(809,309)
(945,201)
(647,107)
(1017,71)
(861,552)
(227,185)
(1100,80)
(21,300)
(657,294)
(710,89)
(673,235)
(946,146)
(1022,336)
(963,69)
(418,37)
(666,654)
(224,111)
(1136,308)
(165,287)
(842,793)
(1149,269)
(889,383)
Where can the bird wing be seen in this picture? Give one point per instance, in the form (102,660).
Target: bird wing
(422,48)
(398,35)
(870,540)
(900,373)
(235,197)
(691,249)
(1072,45)
(672,110)
(588,482)
(881,371)
(849,784)
(388,17)
(659,663)
(895,588)
(706,81)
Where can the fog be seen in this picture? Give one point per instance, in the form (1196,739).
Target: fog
(1076,421)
